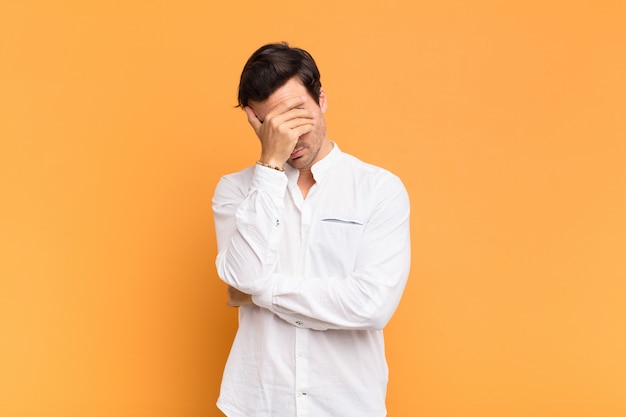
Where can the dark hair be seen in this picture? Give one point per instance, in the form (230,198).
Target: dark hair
(271,66)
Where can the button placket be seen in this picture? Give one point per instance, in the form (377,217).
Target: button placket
(302,372)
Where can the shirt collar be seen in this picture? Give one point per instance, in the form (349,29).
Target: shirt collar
(320,168)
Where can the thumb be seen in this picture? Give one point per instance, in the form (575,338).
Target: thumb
(253,119)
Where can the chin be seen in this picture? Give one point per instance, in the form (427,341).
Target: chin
(298,163)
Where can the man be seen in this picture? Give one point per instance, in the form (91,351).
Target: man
(315,247)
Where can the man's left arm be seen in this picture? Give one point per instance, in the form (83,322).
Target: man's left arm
(365,299)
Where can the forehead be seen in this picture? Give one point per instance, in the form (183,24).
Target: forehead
(292,88)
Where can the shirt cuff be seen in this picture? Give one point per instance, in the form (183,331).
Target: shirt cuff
(265,299)
(270,180)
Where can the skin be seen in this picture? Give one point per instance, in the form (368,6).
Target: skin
(237,298)
(292,130)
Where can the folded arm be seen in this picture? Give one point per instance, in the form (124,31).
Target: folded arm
(248,227)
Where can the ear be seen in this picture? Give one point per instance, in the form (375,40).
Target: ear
(323,101)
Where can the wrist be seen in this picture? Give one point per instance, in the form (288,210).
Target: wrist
(270,164)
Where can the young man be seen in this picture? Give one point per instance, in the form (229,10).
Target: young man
(315,248)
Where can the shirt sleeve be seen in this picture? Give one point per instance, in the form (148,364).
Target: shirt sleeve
(248,228)
(368,297)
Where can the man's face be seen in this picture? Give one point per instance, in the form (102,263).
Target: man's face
(307,149)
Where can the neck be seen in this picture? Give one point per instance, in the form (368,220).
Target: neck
(305,181)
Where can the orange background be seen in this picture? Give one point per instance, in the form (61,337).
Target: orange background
(505,119)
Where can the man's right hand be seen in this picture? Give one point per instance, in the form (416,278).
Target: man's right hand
(237,298)
(281,128)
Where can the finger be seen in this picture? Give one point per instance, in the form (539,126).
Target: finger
(287,105)
(253,119)
(291,119)
(297,118)
(298,113)
(296,127)
(302,130)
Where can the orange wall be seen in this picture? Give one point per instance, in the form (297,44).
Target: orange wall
(506,120)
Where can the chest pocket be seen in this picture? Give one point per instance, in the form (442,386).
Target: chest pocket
(342,220)
(339,237)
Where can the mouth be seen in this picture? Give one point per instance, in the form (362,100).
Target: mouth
(296,153)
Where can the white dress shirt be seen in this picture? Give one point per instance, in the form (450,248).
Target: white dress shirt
(326,274)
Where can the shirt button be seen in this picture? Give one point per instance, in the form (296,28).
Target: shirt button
(299,323)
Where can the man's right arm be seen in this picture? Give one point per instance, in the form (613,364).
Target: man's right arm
(248,221)
(248,224)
